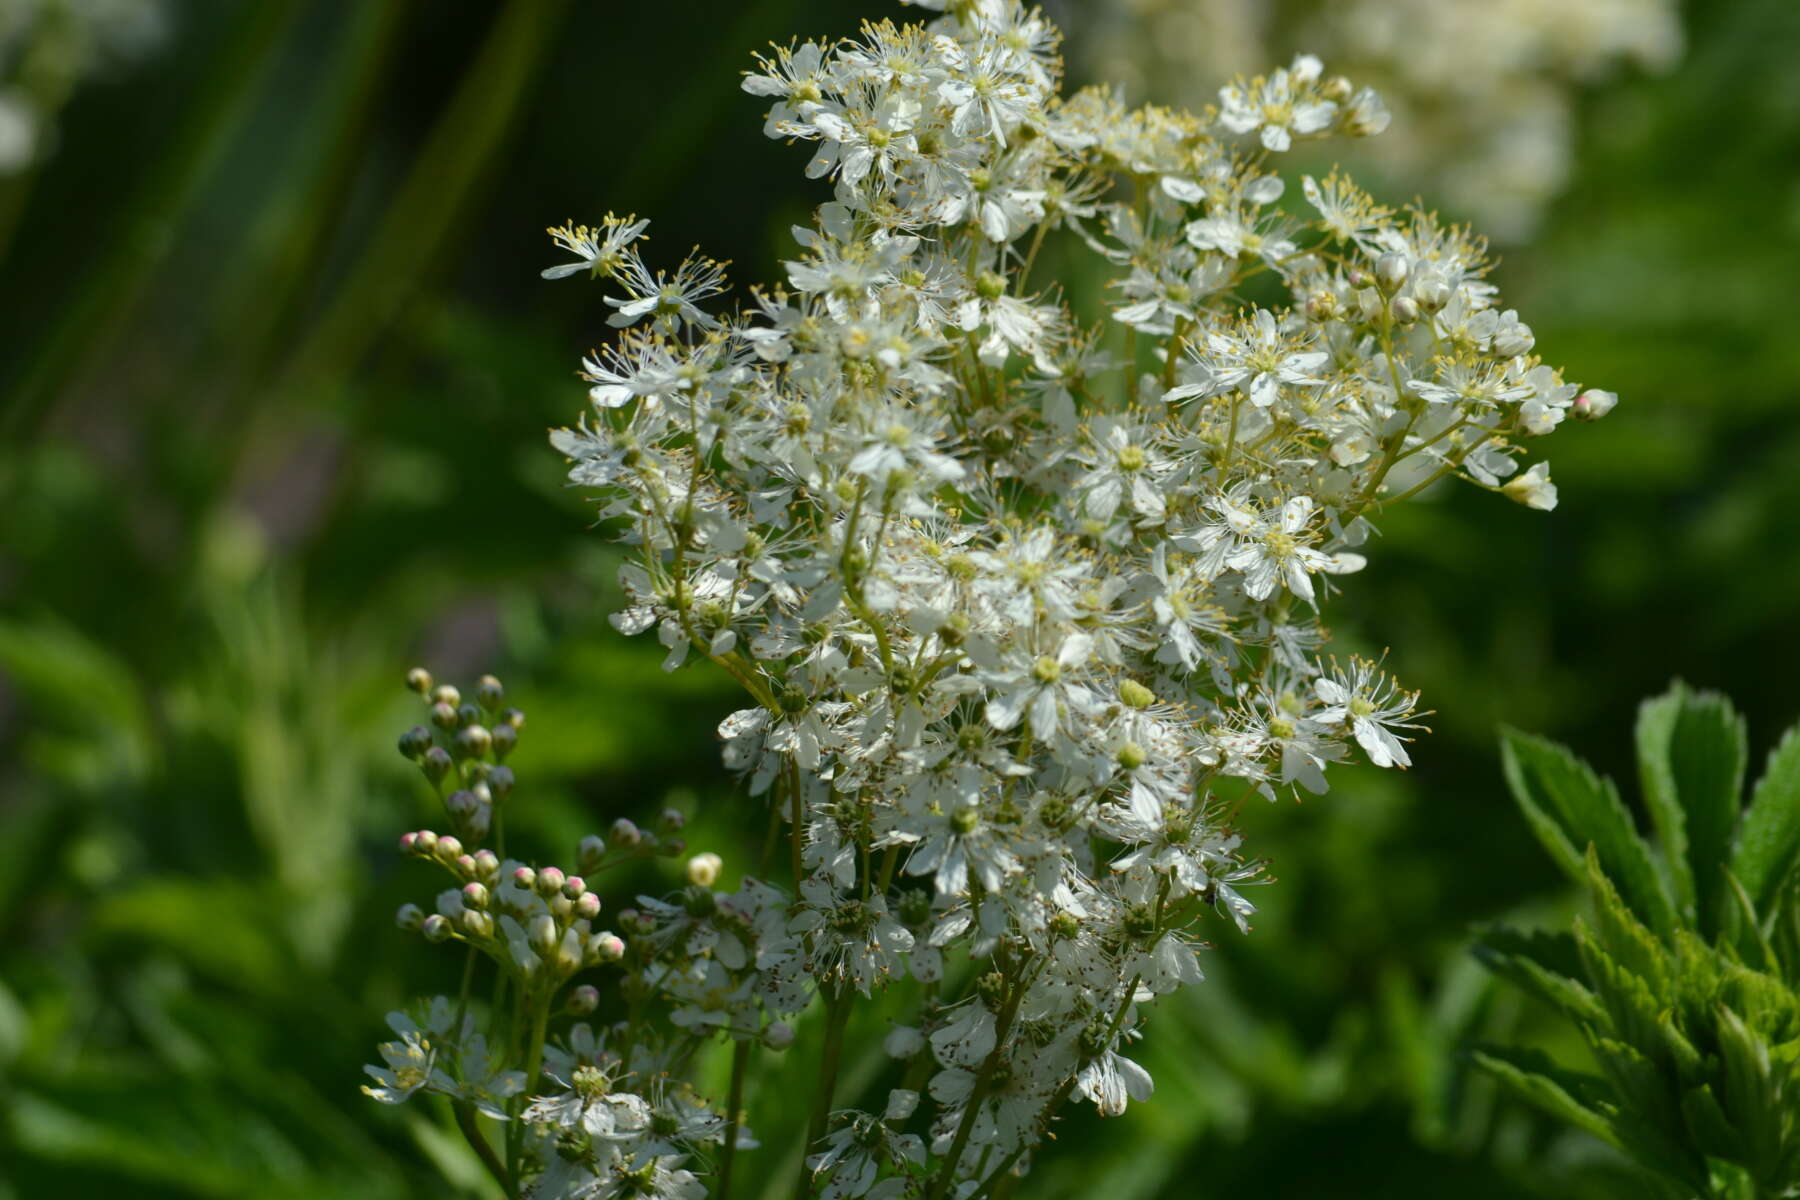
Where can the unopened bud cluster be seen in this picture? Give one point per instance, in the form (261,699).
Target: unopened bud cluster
(542,928)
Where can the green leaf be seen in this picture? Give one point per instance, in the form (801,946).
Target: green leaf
(1691,755)
(1770,841)
(1656,723)
(1568,1095)
(1707,1122)
(1571,808)
(1546,965)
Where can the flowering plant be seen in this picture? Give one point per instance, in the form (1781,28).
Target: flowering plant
(1025,601)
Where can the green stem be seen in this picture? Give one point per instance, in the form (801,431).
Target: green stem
(471,1131)
(978,1094)
(837,1017)
(734,1115)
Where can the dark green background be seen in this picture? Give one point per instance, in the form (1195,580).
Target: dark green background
(275,370)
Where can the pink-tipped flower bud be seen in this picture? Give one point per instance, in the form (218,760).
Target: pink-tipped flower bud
(474,895)
(436,928)
(407,842)
(778,1035)
(703,869)
(574,886)
(584,1000)
(487,866)
(424,843)
(587,907)
(607,947)
(591,853)
(1593,404)
(410,917)
(550,881)
(465,866)
(525,877)
(626,833)
(449,848)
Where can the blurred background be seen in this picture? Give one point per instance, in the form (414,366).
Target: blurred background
(276,368)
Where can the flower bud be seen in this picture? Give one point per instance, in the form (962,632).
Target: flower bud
(487,865)
(542,934)
(671,847)
(1513,340)
(461,803)
(1405,310)
(500,779)
(525,877)
(443,716)
(587,906)
(1337,89)
(778,1035)
(590,853)
(472,741)
(584,1000)
(626,834)
(1135,695)
(1593,404)
(703,869)
(444,693)
(1431,293)
(467,714)
(419,680)
(574,887)
(513,717)
(550,881)
(449,848)
(506,739)
(465,866)
(1390,272)
(410,917)
(671,820)
(474,895)
(415,742)
(436,764)
(607,947)
(477,924)
(436,928)
(489,693)
(408,843)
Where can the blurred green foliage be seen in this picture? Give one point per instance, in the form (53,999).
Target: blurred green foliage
(274,374)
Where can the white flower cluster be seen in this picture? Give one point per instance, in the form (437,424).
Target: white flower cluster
(1025,600)
(48,47)
(1485,89)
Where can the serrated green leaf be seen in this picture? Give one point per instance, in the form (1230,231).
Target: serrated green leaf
(1769,844)
(1749,1100)
(1568,1095)
(1571,808)
(1656,721)
(1544,965)
(1706,1121)
(1691,755)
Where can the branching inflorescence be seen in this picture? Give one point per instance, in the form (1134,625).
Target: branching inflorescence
(1024,602)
